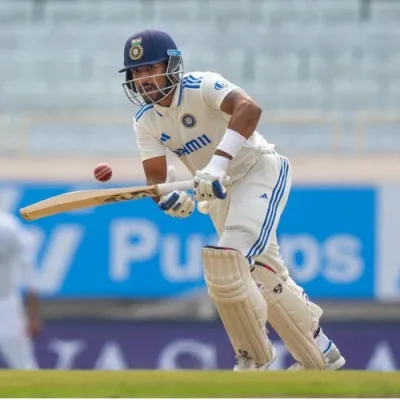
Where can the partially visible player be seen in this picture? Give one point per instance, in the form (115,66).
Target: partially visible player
(210,124)
(20,320)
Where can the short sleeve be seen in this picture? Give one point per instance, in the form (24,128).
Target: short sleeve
(148,143)
(215,88)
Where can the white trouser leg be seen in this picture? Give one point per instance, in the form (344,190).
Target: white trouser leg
(15,346)
(248,218)
(245,222)
(18,352)
(255,207)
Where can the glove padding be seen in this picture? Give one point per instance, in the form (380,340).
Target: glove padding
(208,185)
(177,204)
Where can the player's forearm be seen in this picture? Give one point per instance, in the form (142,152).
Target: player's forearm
(155,170)
(245,115)
(245,118)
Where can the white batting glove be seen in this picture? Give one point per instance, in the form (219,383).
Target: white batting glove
(177,204)
(207,183)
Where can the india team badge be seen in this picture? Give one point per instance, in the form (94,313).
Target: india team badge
(188,120)
(136,51)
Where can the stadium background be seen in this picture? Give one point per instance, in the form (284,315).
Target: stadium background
(112,278)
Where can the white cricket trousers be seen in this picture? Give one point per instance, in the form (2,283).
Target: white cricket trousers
(16,348)
(248,218)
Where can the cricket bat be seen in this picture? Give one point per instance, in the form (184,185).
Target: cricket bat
(72,201)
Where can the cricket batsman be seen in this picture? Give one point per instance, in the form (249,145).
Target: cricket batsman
(19,322)
(210,124)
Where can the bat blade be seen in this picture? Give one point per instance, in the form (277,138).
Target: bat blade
(72,201)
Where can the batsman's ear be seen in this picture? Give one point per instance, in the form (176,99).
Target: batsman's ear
(171,174)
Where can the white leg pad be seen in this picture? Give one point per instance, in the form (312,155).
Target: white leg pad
(240,303)
(292,317)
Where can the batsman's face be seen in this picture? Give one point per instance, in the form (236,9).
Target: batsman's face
(150,80)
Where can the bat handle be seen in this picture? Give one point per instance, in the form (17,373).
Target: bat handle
(165,188)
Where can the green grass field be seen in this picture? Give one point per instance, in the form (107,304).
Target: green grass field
(199,384)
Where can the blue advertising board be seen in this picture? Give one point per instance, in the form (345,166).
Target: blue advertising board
(132,249)
(327,238)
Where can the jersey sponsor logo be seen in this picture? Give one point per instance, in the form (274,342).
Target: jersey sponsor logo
(193,145)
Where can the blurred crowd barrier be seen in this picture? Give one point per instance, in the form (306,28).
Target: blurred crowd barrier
(296,132)
(329,55)
(325,72)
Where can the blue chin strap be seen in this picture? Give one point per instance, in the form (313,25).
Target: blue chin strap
(136,92)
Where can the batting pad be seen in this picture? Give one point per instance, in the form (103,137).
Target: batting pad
(240,303)
(293,319)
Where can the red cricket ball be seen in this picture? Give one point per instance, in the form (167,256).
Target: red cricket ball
(103,172)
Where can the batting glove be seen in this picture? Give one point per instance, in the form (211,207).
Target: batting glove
(207,183)
(177,204)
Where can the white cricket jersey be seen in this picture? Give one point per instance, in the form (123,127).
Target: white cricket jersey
(193,126)
(16,256)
